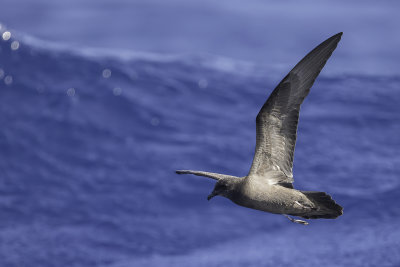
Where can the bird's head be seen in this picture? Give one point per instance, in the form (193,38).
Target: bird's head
(224,187)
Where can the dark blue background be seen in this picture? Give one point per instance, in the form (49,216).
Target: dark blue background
(103,100)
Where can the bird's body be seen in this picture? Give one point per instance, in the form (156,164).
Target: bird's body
(271,198)
(269,184)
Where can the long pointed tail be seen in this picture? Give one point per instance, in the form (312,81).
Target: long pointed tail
(215,176)
(326,206)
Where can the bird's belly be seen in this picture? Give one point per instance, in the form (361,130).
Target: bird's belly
(282,201)
(268,206)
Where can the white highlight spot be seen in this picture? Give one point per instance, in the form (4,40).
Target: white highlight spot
(8,80)
(106,73)
(71,92)
(6,35)
(117,91)
(14,45)
(298,203)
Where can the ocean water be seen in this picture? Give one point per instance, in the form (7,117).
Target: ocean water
(90,140)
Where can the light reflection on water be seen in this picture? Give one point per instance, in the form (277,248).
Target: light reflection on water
(6,35)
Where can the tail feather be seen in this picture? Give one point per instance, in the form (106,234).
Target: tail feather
(326,207)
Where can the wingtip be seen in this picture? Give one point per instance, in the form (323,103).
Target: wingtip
(337,36)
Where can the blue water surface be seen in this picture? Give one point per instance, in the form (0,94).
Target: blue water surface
(90,139)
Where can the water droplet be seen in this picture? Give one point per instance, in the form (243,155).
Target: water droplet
(71,92)
(117,91)
(8,79)
(203,83)
(155,121)
(14,45)
(106,73)
(1,73)
(6,35)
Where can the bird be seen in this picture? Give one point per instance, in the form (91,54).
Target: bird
(268,186)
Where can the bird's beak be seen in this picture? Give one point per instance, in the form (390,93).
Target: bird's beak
(210,196)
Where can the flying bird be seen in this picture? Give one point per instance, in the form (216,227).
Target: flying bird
(269,184)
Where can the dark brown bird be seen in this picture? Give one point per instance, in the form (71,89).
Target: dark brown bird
(268,186)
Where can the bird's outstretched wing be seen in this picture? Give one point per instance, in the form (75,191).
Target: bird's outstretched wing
(278,118)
